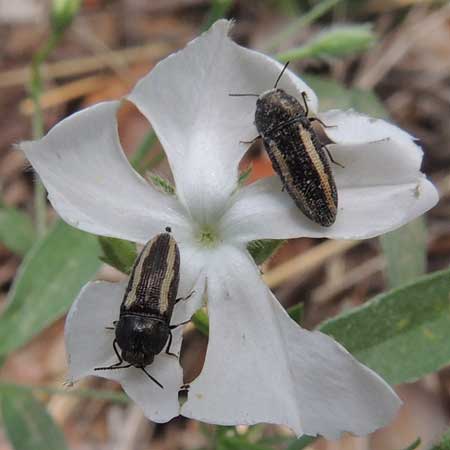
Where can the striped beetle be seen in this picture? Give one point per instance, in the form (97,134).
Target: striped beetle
(296,153)
(144,326)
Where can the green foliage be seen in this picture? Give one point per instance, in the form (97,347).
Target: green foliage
(16,230)
(337,42)
(118,253)
(404,250)
(297,312)
(444,443)
(201,321)
(402,334)
(263,249)
(334,95)
(162,184)
(301,443)
(49,279)
(27,423)
(320,9)
(218,10)
(139,156)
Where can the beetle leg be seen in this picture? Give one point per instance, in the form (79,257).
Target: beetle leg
(179,325)
(250,142)
(151,378)
(117,365)
(331,158)
(305,97)
(168,346)
(312,119)
(185,298)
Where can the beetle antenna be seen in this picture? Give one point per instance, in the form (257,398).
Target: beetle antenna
(113,367)
(243,95)
(151,378)
(281,74)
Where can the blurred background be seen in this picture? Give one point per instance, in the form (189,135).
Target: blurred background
(387,58)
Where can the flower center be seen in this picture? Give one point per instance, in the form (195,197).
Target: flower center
(207,236)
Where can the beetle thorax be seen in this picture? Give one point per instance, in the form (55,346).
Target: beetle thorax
(275,107)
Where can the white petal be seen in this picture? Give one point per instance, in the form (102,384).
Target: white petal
(92,185)
(186,99)
(262,367)
(89,345)
(263,211)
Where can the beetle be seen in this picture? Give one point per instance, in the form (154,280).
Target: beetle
(143,328)
(296,153)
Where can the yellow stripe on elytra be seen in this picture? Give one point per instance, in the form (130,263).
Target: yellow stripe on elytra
(305,136)
(137,271)
(299,196)
(168,277)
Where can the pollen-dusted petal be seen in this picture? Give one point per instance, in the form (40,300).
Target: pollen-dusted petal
(91,184)
(186,99)
(89,344)
(262,367)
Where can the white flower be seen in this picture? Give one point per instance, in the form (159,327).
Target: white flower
(260,365)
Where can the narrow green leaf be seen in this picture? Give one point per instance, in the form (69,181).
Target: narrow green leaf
(49,279)
(338,41)
(310,17)
(99,394)
(334,95)
(263,249)
(162,184)
(444,444)
(16,230)
(244,175)
(118,253)
(414,445)
(402,334)
(405,252)
(27,423)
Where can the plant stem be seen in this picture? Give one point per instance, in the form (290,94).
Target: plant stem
(143,150)
(36,89)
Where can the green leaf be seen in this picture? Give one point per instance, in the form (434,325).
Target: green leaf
(263,249)
(297,312)
(201,321)
(444,444)
(240,443)
(118,253)
(218,9)
(301,443)
(405,252)
(337,41)
(49,279)
(27,423)
(414,445)
(402,334)
(16,230)
(334,95)
(304,20)
(162,184)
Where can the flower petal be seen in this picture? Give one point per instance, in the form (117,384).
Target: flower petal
(92,185)
(89,345)
(262,367)
(186,99)
(263,211)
